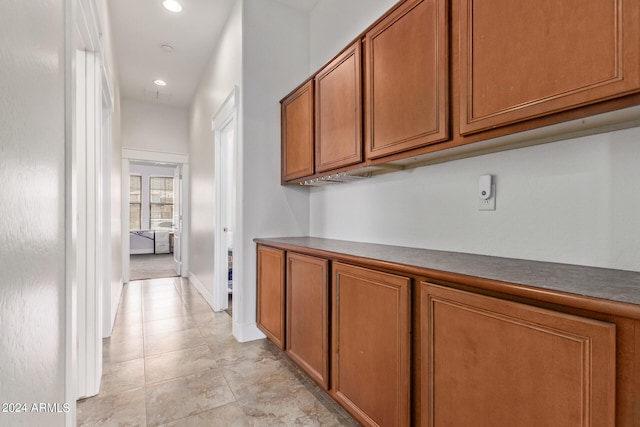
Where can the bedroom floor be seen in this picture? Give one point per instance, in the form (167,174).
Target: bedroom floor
(172,361)
(151,266)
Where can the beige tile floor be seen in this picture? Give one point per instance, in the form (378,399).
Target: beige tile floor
(172,361)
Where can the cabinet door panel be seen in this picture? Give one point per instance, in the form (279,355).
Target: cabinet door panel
(521,59)
(339,111)
(308,315)
(489,362)
(297,133)
(270,294)
(371,345)
(406,79)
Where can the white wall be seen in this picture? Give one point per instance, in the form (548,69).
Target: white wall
(153,132)
(575,201)
(335,23)
(32,208)
(263,51)
(223,73)
(154,127)
(275,60)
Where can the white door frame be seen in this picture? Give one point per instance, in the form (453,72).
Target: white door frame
(87,195)
(227,115)
(177,220)
(110,296)
(89,100)
(182,160)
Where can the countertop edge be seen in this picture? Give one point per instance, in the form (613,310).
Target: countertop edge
(585,298)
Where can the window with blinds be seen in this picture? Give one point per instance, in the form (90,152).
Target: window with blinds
(135,201)
(161,203)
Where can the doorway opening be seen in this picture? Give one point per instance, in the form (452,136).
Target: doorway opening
(227,196)
(155,214)
(225,234)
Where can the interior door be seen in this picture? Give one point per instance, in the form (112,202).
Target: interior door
(224,129)
(177,219)
(227,137)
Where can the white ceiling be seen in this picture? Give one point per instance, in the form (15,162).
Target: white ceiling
(141,27)
(303,5)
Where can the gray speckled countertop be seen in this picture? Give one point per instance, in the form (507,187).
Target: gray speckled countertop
(614,285)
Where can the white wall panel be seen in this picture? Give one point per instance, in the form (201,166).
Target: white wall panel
(335,23)
(154,127)
(32,208)
(275,60)
(573,201)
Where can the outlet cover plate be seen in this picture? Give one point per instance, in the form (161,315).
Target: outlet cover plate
(490,203)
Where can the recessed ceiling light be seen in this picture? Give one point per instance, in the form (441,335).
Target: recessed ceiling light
(172,5)
(160,82)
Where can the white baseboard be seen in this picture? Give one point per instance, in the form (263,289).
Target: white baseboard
(244,332)
(206,294)
(115,302)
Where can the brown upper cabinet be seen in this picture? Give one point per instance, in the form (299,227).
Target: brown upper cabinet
(523,59)
(338,91)
(406,91)
(298,133)
(432,75)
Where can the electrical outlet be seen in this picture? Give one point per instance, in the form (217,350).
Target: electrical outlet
(490,203)
(486,193)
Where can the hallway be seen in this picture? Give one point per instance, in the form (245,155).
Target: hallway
(172,361)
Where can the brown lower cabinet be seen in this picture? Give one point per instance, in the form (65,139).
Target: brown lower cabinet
(271,294)
(308,315)
(396,347)
(490,362)
(370,375)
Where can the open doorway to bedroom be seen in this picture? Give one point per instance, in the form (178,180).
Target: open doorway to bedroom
(154,206)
